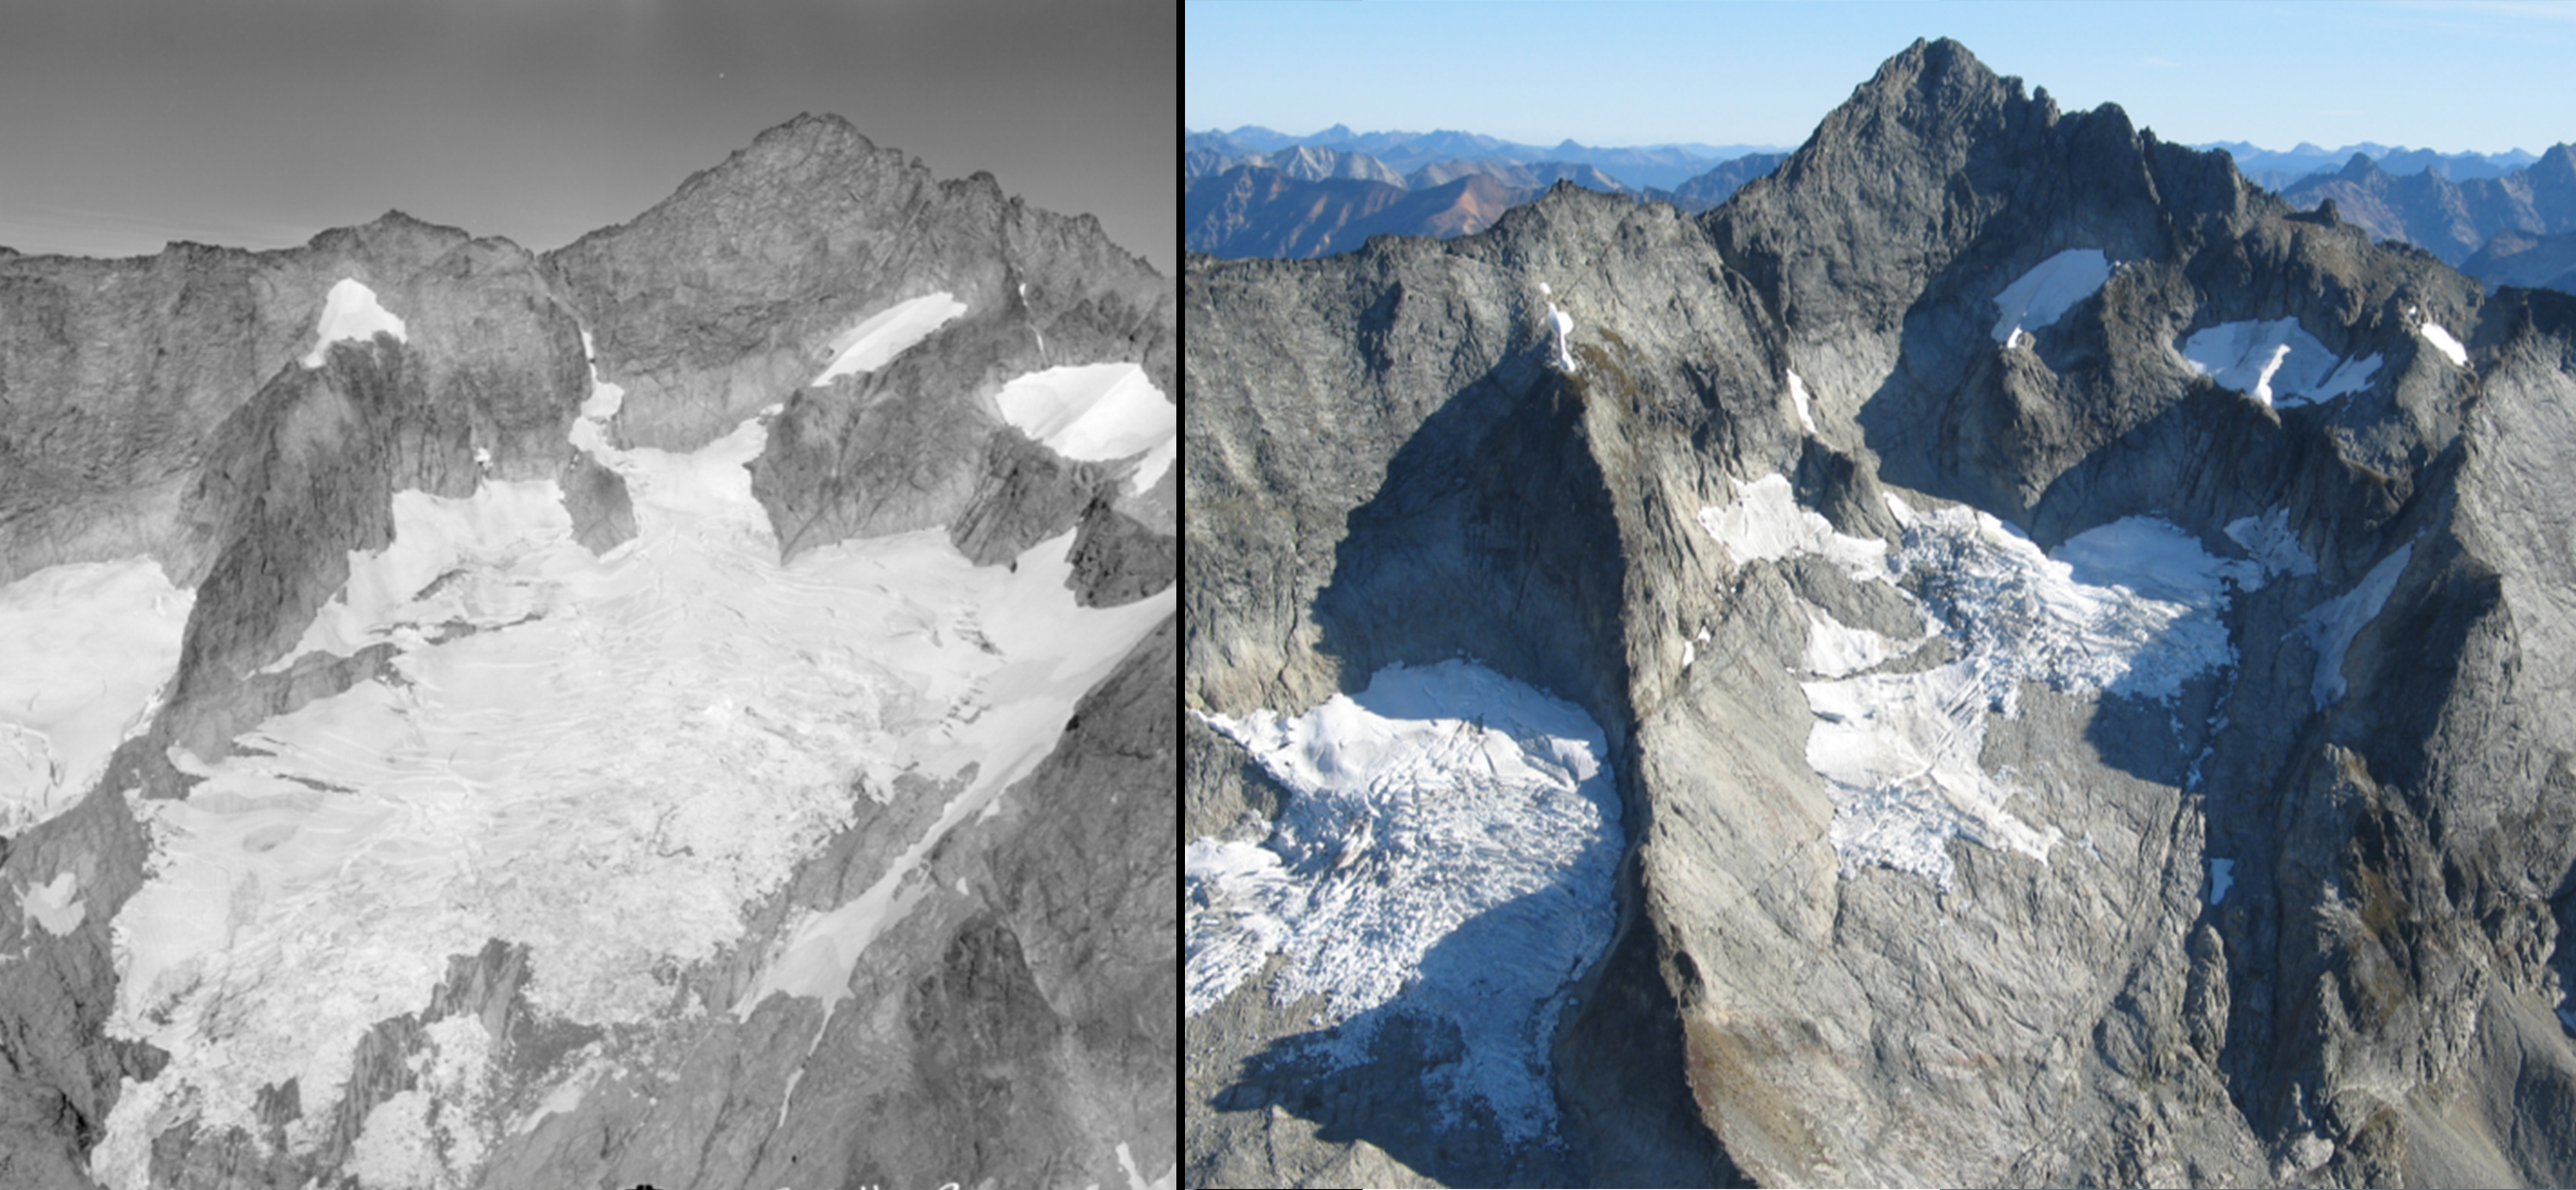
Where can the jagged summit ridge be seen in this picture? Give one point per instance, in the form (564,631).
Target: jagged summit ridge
(380,488)
(1392,462)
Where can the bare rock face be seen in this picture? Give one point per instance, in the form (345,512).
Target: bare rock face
(2283,915)
(1014,1030)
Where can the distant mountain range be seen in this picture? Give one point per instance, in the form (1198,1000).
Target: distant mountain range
(2277,170)
(1634,167)
(1254,191)
(2452,220)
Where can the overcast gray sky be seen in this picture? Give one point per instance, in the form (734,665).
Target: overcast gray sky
(257,123)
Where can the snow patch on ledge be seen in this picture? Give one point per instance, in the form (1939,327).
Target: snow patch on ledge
(2330,627)
(874,341)
(2051,288)
(1765,522)
(1806,408)
(1447,856)
(351,312)
(1097,411)
(2443,342)
(2275,362)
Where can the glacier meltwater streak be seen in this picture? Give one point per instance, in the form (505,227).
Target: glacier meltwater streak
(1447,857)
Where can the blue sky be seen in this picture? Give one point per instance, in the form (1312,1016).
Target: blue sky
(2455,76)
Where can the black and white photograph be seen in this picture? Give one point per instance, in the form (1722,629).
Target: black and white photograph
(587,595)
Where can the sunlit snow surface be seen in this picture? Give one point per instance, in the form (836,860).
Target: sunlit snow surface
(2275,362)
(605,758)
(2442,341)
(2051,288)
(350,312)
(1447,853)
(875,340)
(1806,408)
(1096,411)
(1764,522)
(2131,608)
(85,650)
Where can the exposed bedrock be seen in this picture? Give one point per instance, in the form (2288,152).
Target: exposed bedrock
(2292,919)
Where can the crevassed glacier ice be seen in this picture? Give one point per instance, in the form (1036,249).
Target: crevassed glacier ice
(1447,854)
(2131,608)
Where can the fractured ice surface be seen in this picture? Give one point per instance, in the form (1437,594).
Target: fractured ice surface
(2130,608)
(874,341)
(85,650)
(1447,855)
(604,757)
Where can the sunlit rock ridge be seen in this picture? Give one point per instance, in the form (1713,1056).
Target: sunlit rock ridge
(2081,649)
(691,708)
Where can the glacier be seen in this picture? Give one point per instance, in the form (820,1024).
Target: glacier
(1445,809)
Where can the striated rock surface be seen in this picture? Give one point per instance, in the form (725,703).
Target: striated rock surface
(2259,893)
(441,506)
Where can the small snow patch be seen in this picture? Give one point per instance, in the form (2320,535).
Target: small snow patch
(1096,411)
(1564,324)
(2330,627)
(875,340)
(2272,544)
(2222,874)
(2443,342)
(351,312)
(55,905)
(2048,291)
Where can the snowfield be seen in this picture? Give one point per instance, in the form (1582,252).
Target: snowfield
(350,312)
(89,647)
(1096,411)
(874,341)
(1448,855)
(2041,296)
(607,758)
(2275,362)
